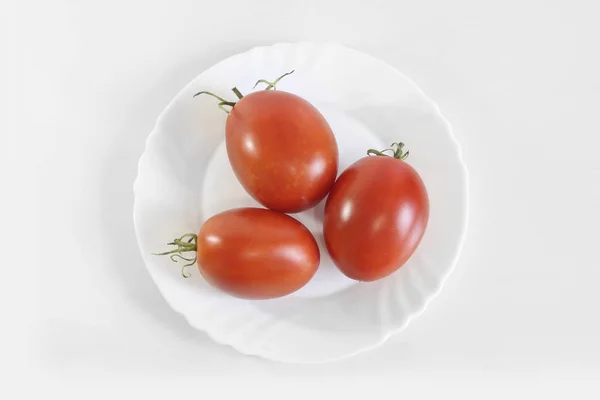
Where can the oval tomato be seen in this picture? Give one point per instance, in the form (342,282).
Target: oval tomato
(375,216)
(282,150)
(252,253)
(280,147)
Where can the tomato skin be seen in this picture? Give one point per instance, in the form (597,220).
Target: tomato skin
(255,253)
(282,150)
(375,217)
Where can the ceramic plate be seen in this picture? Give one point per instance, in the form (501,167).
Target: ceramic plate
(184,178)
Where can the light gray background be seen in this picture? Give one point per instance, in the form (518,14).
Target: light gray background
(517,79)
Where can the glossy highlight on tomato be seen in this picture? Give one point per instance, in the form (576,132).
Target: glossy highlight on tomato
(281,148)
(251,253)
(375,215)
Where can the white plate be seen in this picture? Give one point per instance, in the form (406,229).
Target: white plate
(184,178)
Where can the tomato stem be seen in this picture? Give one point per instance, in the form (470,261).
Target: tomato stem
(237,92)
(211,94)
(186,242)
(224,103)
(272,85)
(397,153)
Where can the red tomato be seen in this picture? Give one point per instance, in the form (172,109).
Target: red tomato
(282,150)
(375,217)
(252,253)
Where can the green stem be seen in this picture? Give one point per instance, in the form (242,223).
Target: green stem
(211,94)
(222,101)
(398,153)
(272,85)
(183,246)
(236,91)
(262,81)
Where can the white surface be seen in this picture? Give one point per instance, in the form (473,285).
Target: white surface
(185,178)
(519,80)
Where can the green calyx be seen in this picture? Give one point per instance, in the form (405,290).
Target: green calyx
(185,243)
(395,148)
(225,103)
(272,85)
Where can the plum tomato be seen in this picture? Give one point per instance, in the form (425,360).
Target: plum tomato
(251,253)
(281,148)
(375,215)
